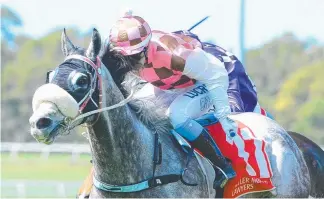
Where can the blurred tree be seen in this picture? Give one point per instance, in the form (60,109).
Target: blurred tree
(9,20)
(273,62)
(310,42)
(309,120)
(9,54)
(6,53)
(300,102)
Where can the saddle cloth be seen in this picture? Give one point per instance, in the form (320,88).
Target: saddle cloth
(248,156)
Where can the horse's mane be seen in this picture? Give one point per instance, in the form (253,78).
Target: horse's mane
(150,111)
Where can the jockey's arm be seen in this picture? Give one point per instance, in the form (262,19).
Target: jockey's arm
(209,70)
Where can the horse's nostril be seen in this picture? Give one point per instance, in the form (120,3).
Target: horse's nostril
(43,123)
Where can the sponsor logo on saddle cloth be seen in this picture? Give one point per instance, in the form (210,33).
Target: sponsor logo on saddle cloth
(249,160)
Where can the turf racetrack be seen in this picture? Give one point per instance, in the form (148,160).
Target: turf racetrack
(31,175)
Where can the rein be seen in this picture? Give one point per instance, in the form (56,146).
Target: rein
(152,182)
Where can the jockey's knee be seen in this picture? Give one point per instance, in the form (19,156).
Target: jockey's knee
(190,129)
(183,124)
(177,116)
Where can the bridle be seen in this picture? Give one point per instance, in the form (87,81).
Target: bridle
(152,182)
(96,77)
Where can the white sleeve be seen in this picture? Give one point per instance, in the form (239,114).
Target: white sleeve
(209,70)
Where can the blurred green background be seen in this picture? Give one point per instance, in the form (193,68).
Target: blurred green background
(33,176)
(288,72)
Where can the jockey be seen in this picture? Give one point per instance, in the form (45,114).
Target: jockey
(177,63)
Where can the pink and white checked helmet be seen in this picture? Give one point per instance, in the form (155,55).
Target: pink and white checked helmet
(130,34)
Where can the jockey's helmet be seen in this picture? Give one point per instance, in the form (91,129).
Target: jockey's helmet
(130,34)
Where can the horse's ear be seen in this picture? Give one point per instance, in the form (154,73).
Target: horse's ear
(66,44)
(95,45)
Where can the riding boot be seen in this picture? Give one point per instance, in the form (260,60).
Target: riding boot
(208,147)
(201,139)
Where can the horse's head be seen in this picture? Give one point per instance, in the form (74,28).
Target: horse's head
(71,89)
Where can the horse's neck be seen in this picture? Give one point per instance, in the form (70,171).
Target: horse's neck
(122,148)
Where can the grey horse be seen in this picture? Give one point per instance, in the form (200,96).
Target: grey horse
(130,142)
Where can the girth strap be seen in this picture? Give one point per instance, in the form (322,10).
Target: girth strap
(147,184)
(152,182)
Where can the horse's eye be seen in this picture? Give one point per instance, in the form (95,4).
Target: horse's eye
(80,81)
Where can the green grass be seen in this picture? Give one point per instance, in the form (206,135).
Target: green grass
(29,166)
